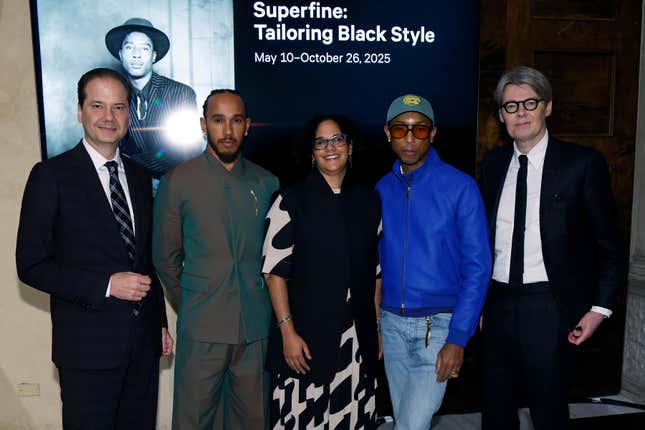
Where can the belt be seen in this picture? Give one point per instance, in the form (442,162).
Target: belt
(503,289)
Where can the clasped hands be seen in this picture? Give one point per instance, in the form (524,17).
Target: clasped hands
(129,286)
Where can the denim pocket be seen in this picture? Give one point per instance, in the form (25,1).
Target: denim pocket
(442,320)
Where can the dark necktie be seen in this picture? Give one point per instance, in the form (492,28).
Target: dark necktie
(142,106)
(120,209)
(517,247)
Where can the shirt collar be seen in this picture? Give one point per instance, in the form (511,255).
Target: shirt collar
(145,91)
(536,154)
(432,158)
(99,160)
(237,170)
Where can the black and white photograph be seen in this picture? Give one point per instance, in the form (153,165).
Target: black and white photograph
(172,54)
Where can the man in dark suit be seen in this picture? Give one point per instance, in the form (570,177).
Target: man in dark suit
(84,238)
(164,129)
(555,278)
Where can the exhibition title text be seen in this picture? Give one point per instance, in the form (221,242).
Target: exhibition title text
(306,28)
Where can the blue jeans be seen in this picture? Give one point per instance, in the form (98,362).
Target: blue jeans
(410,367)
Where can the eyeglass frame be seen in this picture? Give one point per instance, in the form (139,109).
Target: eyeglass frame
(410,128)
(523,103)
(321,143)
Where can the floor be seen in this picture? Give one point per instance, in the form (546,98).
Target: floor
(576,411)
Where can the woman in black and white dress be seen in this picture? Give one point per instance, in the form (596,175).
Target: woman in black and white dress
(320,259)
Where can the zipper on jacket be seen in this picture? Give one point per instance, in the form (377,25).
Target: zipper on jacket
(405,244)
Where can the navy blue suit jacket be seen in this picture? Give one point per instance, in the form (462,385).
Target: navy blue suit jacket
(578,223)
(69,245)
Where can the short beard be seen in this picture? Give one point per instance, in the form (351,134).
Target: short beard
(225,158)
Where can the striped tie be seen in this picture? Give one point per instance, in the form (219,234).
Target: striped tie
(120,209)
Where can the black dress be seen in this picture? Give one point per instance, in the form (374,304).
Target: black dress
(325,245)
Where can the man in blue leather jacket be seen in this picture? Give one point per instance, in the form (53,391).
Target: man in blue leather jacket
(435,261)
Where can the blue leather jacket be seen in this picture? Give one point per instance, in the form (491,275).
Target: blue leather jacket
(435,251)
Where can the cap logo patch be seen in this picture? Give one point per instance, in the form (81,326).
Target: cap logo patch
(411,100)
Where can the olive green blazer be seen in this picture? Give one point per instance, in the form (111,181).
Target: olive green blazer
(208,232)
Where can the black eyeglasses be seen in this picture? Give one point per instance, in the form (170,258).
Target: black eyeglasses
(420,131)
(529,105)
(335,141)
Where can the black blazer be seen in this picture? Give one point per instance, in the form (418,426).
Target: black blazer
(69,245)
(578,225)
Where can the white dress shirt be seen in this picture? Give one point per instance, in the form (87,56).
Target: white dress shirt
(104,176)
(534,269)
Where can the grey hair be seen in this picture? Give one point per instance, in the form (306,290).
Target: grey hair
(523,75)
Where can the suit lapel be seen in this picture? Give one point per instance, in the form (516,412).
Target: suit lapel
(498,176)
(550,182)
(90,183)
(135,189)
(154,112)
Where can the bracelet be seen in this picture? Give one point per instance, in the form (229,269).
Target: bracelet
(285,319)
(378,324)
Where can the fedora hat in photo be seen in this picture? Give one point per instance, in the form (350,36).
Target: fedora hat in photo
(114,38)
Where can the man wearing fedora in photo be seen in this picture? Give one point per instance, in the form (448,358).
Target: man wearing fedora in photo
(137,44)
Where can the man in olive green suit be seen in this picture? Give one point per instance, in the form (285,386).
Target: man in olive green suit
(207,249)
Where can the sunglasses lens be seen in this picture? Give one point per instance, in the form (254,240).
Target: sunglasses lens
(398,131)
(421,131)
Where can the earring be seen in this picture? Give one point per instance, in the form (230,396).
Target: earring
(246,133)
(349,160)
(313,161)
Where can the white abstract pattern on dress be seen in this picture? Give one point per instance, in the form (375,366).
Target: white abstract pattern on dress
(328,407)
(348,401)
